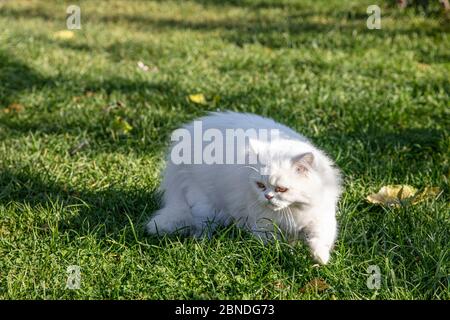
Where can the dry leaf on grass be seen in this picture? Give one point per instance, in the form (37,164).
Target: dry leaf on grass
(14,107)
(198,98)
(427,193)
(279,285)
(392,195)
(396,195)
(64,35)
(315,285)
(121,126)
(113,106)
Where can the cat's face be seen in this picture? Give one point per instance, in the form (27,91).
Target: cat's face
(289,181)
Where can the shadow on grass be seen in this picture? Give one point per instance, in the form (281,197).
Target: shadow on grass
(416,146)
(293,27)
(403,153)
(259,4)
(103,213)
(16,77)
(95,122)
(120,216)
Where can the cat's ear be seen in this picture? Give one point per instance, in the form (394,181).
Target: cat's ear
(302,163)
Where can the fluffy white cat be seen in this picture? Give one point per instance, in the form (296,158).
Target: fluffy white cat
(293,188)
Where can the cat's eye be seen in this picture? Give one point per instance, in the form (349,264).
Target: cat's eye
(261,185)
(280,189)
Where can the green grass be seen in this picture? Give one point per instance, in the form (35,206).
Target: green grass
(376,100)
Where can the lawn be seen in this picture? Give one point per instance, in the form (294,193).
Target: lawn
(83,134)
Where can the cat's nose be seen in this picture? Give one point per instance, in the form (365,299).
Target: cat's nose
(268,196)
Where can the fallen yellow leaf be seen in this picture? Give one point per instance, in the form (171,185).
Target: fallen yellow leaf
(14,107)
(198,98)
(315,285)
(428,192)
(396,195)
(64,34)
(279,285)
(121,126)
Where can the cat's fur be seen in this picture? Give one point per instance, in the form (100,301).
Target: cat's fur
(222,193)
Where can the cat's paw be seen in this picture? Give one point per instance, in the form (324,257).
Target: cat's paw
(153,227)
(167,221)
(321,255)
(160,225)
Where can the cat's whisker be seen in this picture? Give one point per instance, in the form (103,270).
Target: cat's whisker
(288,221)
(285,217)
(250,167)
(289,217)
(291,214)
(254,204)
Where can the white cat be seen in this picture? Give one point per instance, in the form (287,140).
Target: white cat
(294,190)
